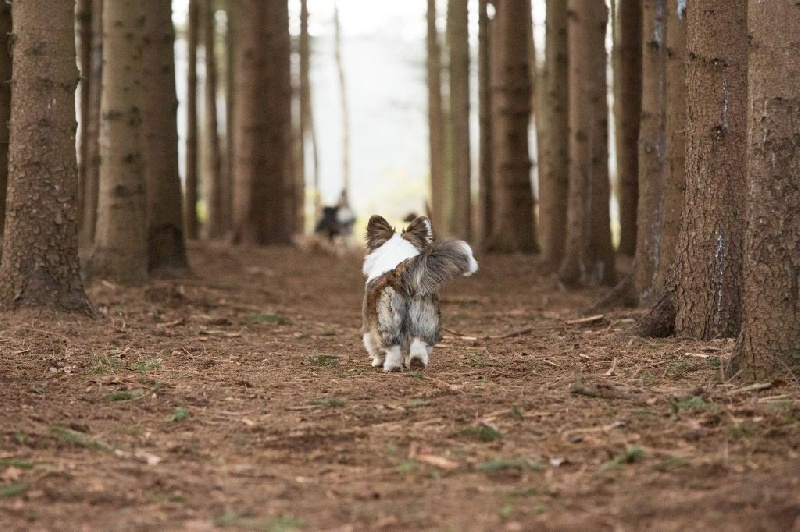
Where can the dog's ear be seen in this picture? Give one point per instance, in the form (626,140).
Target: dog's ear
(378,232)
(419,232)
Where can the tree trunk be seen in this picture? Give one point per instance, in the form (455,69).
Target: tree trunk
(710,243)
(342,100)
(91,183)
(770,341)
(629,106)
(212,149)
(485,181)
(305,115)
(120,251)
(513,224)
(675,177)
(83,31)
(230,105)
(651,149)
(165,238)
(460,218)
(553,182)
(40,261)
(190,185)
(5,105)
(435,120)
(589,258)
(262,122)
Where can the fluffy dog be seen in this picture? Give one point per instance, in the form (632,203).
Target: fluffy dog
(401,305)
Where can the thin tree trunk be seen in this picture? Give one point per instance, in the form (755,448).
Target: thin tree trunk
(769,345)
(675,178)
(120,251)
(40,262)
(629,107)
(212,150)
(485,181)
(513,224)
(83,30)
(231,42)
(166,242)
(435,121)
(91,184)
(652,149)
(6,69)
(190,186)
(460,194)
(305,113)
(589,257)
(553,183)
(342,101)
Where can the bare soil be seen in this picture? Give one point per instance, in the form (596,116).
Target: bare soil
(243,398)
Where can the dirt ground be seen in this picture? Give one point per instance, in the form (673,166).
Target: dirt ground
(242,398)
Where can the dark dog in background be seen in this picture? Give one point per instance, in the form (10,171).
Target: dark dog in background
(401,304)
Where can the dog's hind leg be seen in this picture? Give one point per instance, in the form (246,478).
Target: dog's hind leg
(419,353)
(375,354)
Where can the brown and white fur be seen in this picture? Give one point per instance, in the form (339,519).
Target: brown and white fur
(401,302)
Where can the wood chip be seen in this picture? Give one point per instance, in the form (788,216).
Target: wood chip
(584,321)
(437,461)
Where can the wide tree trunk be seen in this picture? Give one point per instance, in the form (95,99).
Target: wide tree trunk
(120,250)
(485,180)
(165,238)
(770,341)
(629,108)
(214,184)
(513,227)
(652,149)
(262,122)
(554,181)
(459,195)
(675,124)
(5,104)
(91,181)
(589,258)
(190,184)
(435,120)
(40,258)
(710,245)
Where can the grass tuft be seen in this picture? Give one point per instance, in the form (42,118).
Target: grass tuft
(124,395)
(630,455)
(269,317)
(505,464)
(180,414)
(81,440)
(483,432)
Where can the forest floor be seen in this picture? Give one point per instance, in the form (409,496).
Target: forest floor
(242,398)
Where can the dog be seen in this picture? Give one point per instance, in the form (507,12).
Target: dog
(401,304)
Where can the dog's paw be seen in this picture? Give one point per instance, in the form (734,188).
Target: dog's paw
(377,362)
(391,366)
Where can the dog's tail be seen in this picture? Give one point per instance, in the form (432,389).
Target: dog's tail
(441,262)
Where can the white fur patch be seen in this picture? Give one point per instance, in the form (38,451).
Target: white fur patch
(473,264)
(388,256)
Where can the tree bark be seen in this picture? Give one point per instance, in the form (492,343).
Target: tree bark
(6,70)
(770,341)
(710,244)
(435,120)
(485,179)
(305,115)
(262,123)
(589,258)
(120,251)
(553,184)
(629,106)
(675,124)
(342,101)
(460,199)
(651,149)
(513,224)
(214,184)
(91,183)
(40,265)
(190,185)
(164,198)
(83,32)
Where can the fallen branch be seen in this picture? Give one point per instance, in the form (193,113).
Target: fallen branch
(757,387)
